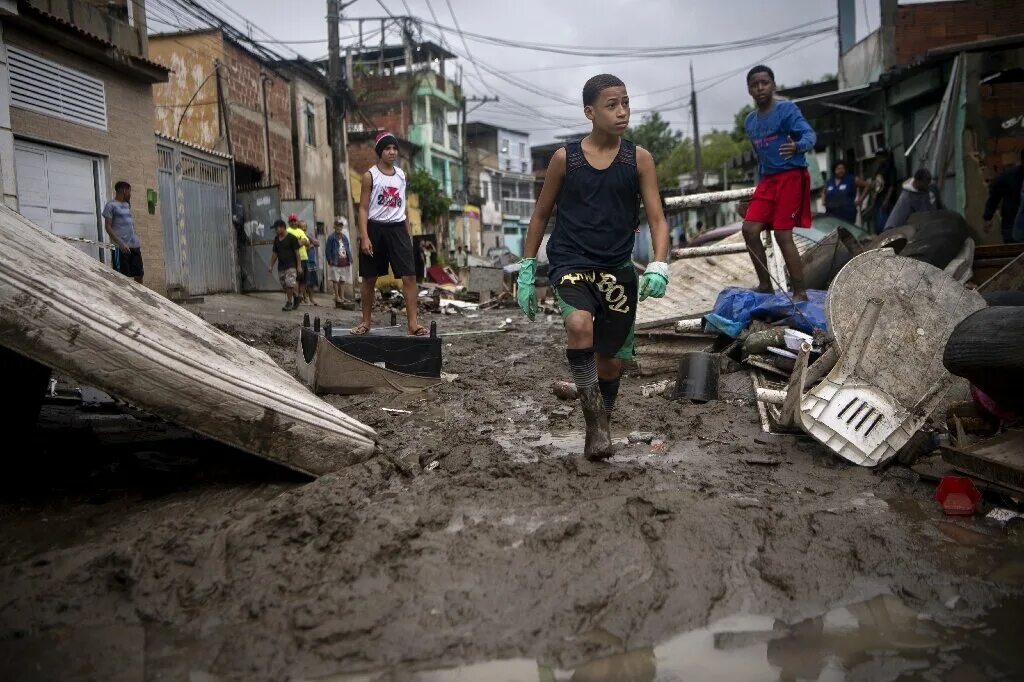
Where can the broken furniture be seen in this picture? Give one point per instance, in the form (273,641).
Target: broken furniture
(891,317)
(383,360)
(68,311)
(999,459)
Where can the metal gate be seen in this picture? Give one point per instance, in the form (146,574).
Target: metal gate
(195,210)
(260,207)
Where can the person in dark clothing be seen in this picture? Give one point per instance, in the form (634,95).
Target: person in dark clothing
(887,188)
(1004,192)
(841,193)
(285,253)
(919,194)
(598,184)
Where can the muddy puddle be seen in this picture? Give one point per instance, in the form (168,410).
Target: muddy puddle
(879,639)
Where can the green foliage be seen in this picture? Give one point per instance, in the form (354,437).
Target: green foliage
(739,132)
(655,135)
(433,201)
(718,147)
(679,161)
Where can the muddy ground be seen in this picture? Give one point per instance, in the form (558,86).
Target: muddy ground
(479,538)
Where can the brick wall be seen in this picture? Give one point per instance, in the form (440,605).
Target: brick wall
(385,101)
(128,145)
(1001,103)
(920,28)
(243,91)
(361,156)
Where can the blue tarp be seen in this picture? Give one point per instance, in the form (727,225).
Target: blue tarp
(736,307)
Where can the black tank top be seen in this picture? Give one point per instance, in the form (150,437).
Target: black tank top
(598,212)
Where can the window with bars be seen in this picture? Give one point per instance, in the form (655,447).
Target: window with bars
(438,124)
(309,114)
(46,87)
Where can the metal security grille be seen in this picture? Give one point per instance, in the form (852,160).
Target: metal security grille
(45,87)
(165,158)
(203,171)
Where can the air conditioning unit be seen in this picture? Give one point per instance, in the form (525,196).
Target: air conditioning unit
(869,145)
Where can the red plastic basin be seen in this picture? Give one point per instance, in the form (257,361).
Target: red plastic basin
(958,496)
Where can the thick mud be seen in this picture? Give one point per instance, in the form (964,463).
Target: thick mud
(480,546)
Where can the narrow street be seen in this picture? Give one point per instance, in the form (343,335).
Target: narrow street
(479,537)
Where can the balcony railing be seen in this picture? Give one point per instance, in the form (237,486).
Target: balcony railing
(519,208)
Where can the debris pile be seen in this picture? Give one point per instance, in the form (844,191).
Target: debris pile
(903,355)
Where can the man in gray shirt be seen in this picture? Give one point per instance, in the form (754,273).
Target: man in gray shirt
(117,219)
(919,194)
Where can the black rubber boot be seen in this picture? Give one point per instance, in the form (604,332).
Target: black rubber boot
(599,435)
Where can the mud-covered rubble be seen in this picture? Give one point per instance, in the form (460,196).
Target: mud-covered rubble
(510,546)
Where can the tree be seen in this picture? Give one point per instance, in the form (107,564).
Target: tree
(679,161)
(655,135)
(433,201)
(739,131)
(718,147)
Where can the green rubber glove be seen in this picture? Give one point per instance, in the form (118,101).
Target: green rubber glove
(527,293)
(654,280)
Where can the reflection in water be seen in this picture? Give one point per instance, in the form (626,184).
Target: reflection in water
(878,639)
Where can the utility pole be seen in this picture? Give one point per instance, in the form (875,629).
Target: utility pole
(339,148)
(698,165)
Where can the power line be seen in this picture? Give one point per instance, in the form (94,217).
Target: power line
(784,35)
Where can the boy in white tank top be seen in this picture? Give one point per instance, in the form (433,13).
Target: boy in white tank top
(384,239)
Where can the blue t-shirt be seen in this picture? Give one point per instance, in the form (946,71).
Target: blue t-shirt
(119,213)
(767,132)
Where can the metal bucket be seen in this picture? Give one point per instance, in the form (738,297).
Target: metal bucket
(698,377)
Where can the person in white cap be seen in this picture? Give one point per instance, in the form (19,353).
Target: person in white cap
(339,259)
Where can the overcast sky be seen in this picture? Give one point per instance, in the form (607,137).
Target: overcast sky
(625,23)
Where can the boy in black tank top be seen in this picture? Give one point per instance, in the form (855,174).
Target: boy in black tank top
(597,184)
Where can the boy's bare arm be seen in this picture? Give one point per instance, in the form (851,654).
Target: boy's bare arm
(545,204)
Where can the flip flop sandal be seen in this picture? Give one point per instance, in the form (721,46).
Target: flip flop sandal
(420,331)
(359,330)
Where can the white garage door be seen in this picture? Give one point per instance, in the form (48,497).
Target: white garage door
(57,191)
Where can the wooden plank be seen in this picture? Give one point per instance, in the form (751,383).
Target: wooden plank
(66,310)
(1010,278)
(999,459)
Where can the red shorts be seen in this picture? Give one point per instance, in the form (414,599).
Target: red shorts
(782,201)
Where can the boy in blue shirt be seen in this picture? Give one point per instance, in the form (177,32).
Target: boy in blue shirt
(781,136)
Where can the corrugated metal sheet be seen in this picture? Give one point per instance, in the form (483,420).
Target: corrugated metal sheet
(694,284)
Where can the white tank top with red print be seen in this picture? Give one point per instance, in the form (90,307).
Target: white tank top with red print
(387,196)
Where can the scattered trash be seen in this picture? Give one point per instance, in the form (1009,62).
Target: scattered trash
(958,496)
(564,390)
(1003,516)
(395,410)
(698,377)
(691,326)
(783,359)
(433,465)
(795,338)
(758,343)
(641,437)
(657,388)
(659,447)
